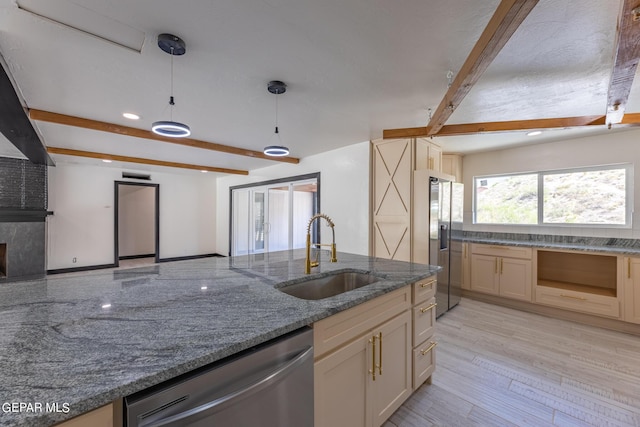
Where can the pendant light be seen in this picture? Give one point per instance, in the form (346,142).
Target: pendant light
(276,87)
(173,45)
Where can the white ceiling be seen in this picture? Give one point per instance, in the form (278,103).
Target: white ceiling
(353,68)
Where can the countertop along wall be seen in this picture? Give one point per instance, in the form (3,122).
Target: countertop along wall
(344,194)
(82,225)
(611,148)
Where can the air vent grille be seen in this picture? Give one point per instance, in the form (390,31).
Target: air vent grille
(132,175)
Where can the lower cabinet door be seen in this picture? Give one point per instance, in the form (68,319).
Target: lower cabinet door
(392,384)
(485,274)
(424,362)
(632,290)
(341,384)
(515,278)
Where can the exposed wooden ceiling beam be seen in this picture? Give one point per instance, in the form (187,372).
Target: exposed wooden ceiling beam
(630,119)
(626,60)
(105,156)
(504,22)
(520,125)
(63,119)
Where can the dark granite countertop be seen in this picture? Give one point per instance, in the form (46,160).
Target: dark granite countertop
(81,342)
(576,243)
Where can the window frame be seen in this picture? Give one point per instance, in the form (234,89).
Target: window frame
(629,193)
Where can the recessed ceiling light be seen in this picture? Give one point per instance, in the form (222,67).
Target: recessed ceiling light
(204,171)
(105,306)
(107,160)
(534,133)
(131,116)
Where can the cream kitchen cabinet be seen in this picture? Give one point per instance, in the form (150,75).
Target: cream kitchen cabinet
(579,281)
(362,372)
(424,324)
(466,266)
(393,195)
(502,270)
(452,165)
(427,150)
(632,290)
(101,417)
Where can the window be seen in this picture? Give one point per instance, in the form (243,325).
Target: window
(596,196)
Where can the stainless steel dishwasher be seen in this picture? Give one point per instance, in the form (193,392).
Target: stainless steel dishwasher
(269,385)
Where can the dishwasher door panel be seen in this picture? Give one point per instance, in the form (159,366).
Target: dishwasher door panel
(271,385)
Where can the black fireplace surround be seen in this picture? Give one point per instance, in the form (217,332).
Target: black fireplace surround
(23,211)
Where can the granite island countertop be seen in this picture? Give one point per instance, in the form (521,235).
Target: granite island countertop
(84,341)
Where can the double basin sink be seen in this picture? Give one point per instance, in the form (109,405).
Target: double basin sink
(328,286)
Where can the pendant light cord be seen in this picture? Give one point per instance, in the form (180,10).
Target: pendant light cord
(276,113)
(171,102)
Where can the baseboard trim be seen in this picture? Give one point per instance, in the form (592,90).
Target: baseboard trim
(77,269)
(103,266)
(137,256)
(190,257)
(558,313)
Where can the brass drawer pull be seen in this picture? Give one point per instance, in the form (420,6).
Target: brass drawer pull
(380,360)
(373,357)
(573,297)
(428,349)
(424,285)
(425,309)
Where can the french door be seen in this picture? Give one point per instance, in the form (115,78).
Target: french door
(273,217)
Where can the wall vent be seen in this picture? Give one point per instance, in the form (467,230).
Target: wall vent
(132,175)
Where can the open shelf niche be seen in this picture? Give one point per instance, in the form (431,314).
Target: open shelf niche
(581,272)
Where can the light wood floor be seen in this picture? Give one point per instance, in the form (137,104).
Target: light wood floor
(502,367)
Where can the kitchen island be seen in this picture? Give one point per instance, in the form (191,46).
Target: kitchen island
(78,343)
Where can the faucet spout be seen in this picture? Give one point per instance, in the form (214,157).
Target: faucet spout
(308,265)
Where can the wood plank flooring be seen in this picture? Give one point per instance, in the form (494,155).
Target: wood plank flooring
(501,367)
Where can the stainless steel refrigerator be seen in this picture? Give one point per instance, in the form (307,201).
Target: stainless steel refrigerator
(445,246)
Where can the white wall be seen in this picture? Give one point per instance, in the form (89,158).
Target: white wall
(82,198)
(136,220)
(620,147)
(344,194)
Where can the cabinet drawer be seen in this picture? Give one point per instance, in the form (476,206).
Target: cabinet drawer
(578,301)
(502,251)
(424,289)
(342,327)
(424,321)
(424,362)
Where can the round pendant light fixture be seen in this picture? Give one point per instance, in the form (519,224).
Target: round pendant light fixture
(173,45)
(276,87)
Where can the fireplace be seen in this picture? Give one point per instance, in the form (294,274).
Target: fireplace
(3,260)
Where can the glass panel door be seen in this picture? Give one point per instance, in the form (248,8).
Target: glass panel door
(304,206)
(278,219)
(259,221)
(272,217)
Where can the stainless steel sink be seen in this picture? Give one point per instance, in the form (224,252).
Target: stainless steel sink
(328,286)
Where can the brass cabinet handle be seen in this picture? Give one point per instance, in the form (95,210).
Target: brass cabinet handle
(496,265)
(424,285)
(373,357)
(425,309)
(380,359)
(573,297)
(428,349)
(464,251)
(628,268)
(501,265)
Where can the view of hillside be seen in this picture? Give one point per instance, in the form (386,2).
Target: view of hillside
(587,197)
